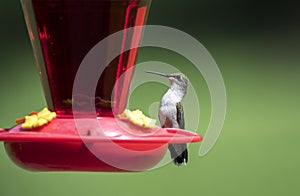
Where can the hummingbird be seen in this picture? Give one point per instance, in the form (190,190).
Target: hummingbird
(171,114)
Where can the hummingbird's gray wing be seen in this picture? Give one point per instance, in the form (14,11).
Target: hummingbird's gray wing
(179,152)
(180,115)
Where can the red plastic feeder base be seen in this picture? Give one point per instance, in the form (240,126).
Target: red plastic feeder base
(105,144)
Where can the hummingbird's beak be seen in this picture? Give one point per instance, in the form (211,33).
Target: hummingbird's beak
(158,73)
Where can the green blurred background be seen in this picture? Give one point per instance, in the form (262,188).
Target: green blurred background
(256,46)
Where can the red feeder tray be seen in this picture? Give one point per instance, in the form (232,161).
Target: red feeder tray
(104,144)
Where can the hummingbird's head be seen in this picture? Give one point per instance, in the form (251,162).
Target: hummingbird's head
(178,80)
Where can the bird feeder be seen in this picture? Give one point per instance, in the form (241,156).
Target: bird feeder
(87,134)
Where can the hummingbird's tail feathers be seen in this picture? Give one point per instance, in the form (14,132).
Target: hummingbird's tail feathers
(179,153)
